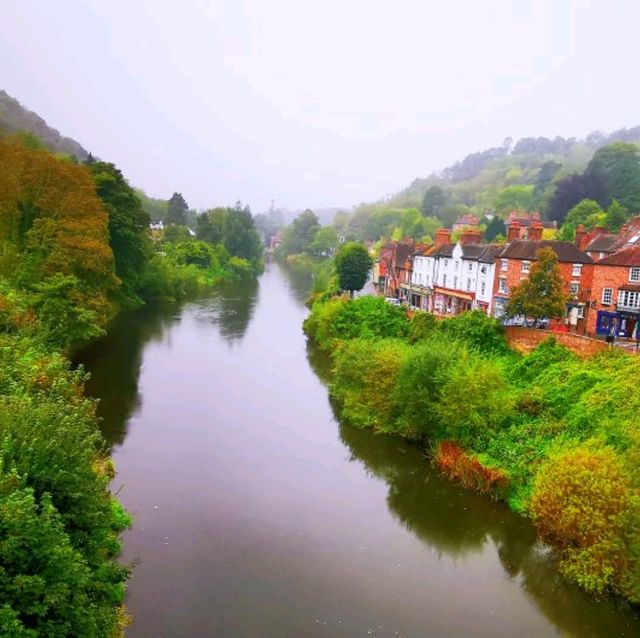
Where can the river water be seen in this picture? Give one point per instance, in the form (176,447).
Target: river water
(257,514)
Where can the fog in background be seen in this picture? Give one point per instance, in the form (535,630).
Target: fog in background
(314,103)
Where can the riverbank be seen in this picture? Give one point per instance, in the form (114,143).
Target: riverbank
(256,513)
(550,434)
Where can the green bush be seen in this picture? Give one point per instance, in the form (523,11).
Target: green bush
(366,373)
(478,331)
(363,318)
(584,504)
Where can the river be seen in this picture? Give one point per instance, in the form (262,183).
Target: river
(257,514)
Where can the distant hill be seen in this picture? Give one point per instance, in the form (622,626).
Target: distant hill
(476,180)
(14,117)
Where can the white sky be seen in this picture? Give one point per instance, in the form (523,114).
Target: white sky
(322,103)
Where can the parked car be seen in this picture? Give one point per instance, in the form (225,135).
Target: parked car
(392,300)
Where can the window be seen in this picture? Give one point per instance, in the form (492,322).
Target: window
(577,270)
(457,263)
(502,285)
(482,288)
(580,312)
(573,288)
(629,299)
(468,284)
(504,264)
(444,280)
(483,270)
(634,274)
(470,266)
(525,266)
(607,296)
(455,282)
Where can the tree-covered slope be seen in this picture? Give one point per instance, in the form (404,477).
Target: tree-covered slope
(14,117)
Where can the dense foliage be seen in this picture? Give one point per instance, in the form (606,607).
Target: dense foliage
(541,294)
(353,265)
(550,433)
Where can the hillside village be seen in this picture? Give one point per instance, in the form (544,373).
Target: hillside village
(600,273)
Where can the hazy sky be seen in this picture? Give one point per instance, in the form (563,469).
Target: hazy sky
(322,103)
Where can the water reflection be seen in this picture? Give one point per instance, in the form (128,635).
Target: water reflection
(457,522)
(230,308)
(300,282)
(115,362)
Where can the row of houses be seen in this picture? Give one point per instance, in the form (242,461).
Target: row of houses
(600,272)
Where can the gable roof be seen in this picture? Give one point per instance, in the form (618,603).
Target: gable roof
(602,243)
(566,251)
(629,256)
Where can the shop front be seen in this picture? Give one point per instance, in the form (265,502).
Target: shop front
(451,302)
(417,297)
(623,322)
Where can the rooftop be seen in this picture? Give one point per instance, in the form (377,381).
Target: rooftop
(566,251)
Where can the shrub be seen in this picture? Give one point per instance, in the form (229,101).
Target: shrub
(478,330)
(584,505)
(366,372)
(418,391)
(423,326)
(475,400)
(363,318)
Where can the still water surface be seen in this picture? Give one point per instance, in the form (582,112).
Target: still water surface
(257,514)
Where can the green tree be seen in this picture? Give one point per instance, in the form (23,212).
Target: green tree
(617,215)
(433,200)
(177,210)
(516,197)
(353,264)
(618,166)
(240,237)
(494,228)
(325,243)
(540,295)
(128,226)
(300,233)
(211,224)
(588,213)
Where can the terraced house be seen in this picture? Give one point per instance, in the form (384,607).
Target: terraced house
(514,261)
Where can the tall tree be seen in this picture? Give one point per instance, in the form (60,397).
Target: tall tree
(540,295)
(353,264)
(128,225)
(618,166)
(299,235)
(177,210)
(617,214)
(494,228)
(588,213)
(434,199)
(240,237)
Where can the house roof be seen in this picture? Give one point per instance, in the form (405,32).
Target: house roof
(629,256)
(602,243)
(446,250)
(403,252)
(490,252)
(566,251)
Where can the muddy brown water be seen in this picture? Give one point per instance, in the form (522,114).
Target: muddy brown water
(258,514)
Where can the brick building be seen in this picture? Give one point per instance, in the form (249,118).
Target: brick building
(514,262)
(615,293)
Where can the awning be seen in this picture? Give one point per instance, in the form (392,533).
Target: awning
(468,296)
(420,290)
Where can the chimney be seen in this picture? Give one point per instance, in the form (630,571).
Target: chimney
(443,236)
(535,231)
(467,237)
(513,231)
(581,237)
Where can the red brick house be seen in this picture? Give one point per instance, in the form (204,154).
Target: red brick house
(514,261)
(615,293)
